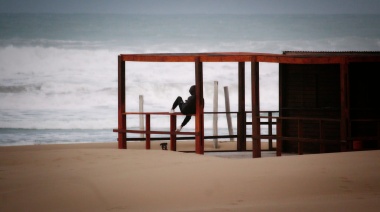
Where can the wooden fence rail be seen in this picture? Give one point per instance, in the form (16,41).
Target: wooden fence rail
(271,121)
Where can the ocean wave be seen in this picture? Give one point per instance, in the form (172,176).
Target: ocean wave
(65,44)
(66,77)
(19,88)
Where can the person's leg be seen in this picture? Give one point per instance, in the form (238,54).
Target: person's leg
(177,102)
(185,121)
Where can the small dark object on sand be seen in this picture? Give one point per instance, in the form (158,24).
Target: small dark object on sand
(164,146)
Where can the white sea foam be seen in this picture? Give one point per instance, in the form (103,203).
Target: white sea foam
(54,79)
(69,80)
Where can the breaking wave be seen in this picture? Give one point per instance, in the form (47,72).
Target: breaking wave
(68,80)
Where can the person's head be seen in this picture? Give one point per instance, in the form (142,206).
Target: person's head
(192,90)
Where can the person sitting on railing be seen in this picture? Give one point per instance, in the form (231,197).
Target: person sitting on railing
(187,108)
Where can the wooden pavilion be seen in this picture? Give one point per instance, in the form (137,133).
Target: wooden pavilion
(327,100)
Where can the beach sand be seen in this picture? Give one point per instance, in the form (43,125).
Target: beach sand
(100,177)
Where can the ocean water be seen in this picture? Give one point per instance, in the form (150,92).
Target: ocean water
(58,73)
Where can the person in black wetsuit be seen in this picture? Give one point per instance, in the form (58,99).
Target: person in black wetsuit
(187,108)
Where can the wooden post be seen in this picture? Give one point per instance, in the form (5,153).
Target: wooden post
(378,134)
(322,146)
(215,115)
(280,111)
(122,122)
(343,105)
(141,109)
(279,137)
(241,120)
(228,114)
(173,136)
(199,125)
(270,130)
(147,134)
(300,136)
(256,142)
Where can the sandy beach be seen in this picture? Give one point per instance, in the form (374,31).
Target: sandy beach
(100,177)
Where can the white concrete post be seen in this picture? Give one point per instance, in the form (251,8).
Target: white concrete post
(215,115)
(228,114)
(141,109)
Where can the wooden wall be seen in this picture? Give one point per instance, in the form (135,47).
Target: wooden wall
(313,91)
(364,101)
(310,91)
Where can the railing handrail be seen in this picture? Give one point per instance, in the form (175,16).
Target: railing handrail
(175,113)
(272,120)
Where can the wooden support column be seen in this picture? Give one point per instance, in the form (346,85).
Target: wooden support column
(147,129)
(122,122)
(279,137)
(241,119)
(378,134)
(322,146)
(280,106)
(199,125)
(270,130)
(343,105)
(300,137)
(173,136)
(256,143)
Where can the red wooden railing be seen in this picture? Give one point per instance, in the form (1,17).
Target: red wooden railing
(271,121)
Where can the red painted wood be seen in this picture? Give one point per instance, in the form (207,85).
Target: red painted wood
(122,139)
(173,136)
(147,134)
(306,58)
(155,113)
(300,136)
(322,145)
(279,138)
(270,130)
(281,106)
(241,118)
(155,132)
(343,105)
(199,125)
(378,135)
(256,144)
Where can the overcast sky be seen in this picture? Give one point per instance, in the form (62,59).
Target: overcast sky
(192,6)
